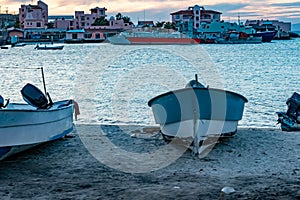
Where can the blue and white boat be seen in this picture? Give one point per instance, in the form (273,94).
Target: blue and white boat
(23,126)
(197,112)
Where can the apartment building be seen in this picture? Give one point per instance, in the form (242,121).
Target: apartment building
(34,16)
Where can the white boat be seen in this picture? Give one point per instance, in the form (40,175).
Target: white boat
(49,47)
(197,112)
(23,126)
(18,45)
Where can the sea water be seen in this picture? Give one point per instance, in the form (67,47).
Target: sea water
(113,83)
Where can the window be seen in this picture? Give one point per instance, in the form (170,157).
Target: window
(74,36)
(97,35)
(38,24)
(71,23)
(87,35)
(87,18)
(82,24)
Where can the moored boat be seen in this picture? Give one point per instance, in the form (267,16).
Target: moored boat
(234,37)
(198,112)
(23,126)
(267,36)
(49,47)
(152,37)
(290,120)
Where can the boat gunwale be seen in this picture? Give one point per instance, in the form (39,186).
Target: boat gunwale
(54,108)
(150,102)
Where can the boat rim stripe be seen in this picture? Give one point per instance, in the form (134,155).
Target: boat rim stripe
(37,123)
(183,89)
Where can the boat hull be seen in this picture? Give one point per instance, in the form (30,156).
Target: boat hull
(204,128)
(122,40)
(23,126)
(49,47)
(201,111)
(267,36)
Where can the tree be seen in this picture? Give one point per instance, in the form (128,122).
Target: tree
(159,24)
(126,19)
(50,25)
(17,24)
(119,16)
(101,22)
(169,25)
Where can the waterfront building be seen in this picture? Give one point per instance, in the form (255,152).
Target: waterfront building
(189,19)
(81,20)
(34,16)
(82,27)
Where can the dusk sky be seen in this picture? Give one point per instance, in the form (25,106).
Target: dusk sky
(159,10)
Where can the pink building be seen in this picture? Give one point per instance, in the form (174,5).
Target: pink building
(34,16)
(81,20)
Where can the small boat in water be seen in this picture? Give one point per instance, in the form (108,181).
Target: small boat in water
(290,120)
(18,45)
(23,126)
(198,112)
(48,47)
(4,47)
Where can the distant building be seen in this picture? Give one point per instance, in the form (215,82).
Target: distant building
(81,20)
(82,28)
(193,17)
(142,24)
(34,16)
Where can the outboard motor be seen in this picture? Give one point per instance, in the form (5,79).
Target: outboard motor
(2,102)
(35,97)
(293,106)
(194,83)
(290,121)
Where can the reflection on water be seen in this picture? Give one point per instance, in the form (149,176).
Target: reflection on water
(114,83)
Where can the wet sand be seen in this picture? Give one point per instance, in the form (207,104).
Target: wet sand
(257,163)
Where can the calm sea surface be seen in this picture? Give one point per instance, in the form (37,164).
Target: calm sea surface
(113,84)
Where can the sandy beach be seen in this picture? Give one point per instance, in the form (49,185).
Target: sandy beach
(99,162)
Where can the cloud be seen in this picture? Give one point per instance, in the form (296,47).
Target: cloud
(159,10)
(294,4)
(225,7)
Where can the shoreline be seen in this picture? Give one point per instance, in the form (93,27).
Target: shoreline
(257,163)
